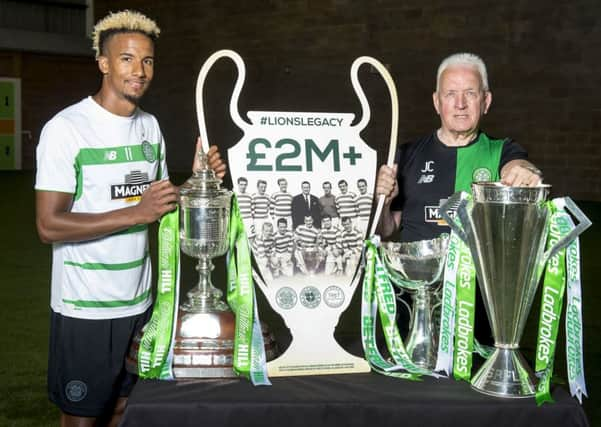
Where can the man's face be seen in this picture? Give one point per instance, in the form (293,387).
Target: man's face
(326,223)
(283,185)
(128,65)
(343,186)
(347,224)
(306,187)
(261,186)
(309,221)
(327,189)
(282,227)
(267,229)
(242,186)
(460,101)
(362,186)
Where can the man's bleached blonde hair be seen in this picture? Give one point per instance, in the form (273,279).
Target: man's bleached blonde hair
(126,21)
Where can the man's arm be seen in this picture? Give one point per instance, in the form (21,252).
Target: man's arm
(521,173)
(56,223)
(386,184)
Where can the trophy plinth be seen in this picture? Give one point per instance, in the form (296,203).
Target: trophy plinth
(416,267)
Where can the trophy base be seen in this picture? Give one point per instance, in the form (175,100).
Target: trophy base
(204,345)
(505,374)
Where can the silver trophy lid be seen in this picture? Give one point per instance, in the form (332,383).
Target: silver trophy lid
(203,183)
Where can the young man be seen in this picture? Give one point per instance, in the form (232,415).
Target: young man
(260,205)
(281,204)
(364,205)
(264,247)
(101,178)
(346,203)
(284,245)
(350,243)
(327,202)
(244,199)
(306,237)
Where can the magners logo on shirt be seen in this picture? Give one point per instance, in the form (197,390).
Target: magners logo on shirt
(136,183)
(432,214)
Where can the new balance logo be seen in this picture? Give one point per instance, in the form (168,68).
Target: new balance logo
(425,179)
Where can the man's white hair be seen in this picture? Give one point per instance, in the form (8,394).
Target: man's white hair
(464,58)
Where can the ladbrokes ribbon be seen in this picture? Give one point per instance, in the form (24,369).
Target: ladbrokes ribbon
(156,352)
(249,348)
(554,286)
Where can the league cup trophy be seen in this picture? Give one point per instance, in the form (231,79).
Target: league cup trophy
(506,229)
(416,267)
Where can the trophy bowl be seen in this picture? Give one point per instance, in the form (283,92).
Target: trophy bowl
(416,267)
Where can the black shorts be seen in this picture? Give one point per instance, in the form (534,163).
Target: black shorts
(86,362)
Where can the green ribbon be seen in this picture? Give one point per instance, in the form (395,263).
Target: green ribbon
(378,296)
(554,286)
(249,348)
(465,287)
(156,353)
(573,323)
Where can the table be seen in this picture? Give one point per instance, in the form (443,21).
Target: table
(339,400)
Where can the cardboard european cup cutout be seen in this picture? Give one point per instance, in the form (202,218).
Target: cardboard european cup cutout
(304,183)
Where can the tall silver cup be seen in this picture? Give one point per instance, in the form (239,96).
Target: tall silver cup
(417,267)
(506,231)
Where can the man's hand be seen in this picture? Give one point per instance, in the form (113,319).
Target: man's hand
(521,173)
(158,199)
(386,183)
(214,158)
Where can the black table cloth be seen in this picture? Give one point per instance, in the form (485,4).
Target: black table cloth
(339,400)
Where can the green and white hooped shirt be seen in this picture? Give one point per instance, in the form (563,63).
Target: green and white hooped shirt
(106,161)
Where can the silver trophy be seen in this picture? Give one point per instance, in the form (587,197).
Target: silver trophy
(312,257)
(204,339)
(416,267)
(506,231)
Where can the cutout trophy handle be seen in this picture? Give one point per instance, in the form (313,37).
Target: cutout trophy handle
(366,113)
(202,75)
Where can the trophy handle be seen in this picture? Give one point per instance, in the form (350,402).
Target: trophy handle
(399,297)
(583,224)
(366,113)
(458,203)
(202,75)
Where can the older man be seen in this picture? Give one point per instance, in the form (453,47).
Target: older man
(429,170)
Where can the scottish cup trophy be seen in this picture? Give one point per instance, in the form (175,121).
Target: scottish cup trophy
(203,343)
(416,267)
(506,230)
(205,328)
